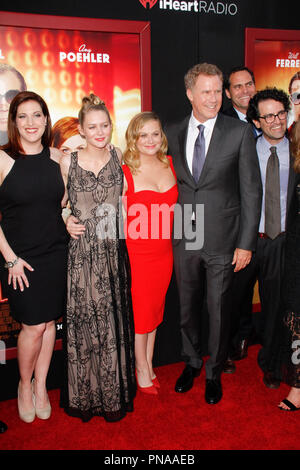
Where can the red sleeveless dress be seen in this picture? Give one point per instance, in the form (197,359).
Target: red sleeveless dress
(148,231)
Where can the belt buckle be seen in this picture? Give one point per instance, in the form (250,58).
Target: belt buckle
(262,235)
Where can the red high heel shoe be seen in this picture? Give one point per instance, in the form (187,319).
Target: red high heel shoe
(151,390)
(156,382)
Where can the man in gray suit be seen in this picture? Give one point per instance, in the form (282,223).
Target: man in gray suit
(217,169)
(239,87)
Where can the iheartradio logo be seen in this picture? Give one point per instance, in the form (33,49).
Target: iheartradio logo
(148,3)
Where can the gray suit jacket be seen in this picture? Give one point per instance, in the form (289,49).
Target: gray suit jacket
(229,186)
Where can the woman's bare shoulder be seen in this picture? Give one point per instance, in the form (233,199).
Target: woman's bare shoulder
(65,161)
(5,159)
(119,153)
(55,154)
(3,154)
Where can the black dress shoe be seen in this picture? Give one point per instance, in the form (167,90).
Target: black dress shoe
(3,427)
(213,391)
(241,351)
(270,381)
(229,366)
(186,380)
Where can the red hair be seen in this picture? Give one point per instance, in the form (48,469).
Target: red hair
(63,130)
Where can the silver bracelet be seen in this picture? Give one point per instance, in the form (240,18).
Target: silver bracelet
(11,264)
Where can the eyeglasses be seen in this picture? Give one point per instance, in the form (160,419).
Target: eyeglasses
(269,118)
(9,95)
(295,97)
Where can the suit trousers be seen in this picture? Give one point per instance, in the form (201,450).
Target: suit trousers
(266,266)
(197,274)
(242,325)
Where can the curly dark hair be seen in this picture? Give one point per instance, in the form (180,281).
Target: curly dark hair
(263,95)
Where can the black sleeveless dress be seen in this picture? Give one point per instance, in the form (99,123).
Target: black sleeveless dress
(30,204)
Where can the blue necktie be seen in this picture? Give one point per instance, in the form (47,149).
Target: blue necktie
(199,154)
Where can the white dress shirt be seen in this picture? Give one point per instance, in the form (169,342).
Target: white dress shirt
(283,152)
(241,116)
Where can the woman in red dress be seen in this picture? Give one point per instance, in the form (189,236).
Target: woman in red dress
(150,193)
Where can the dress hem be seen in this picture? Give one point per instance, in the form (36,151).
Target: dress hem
(110,417)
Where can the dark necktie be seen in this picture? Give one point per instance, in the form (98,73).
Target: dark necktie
(199,154)
(272,196)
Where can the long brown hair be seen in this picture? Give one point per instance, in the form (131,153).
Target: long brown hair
(295,145)
(14,146)
(131,154)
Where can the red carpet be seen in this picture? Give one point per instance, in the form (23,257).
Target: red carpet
(247,418)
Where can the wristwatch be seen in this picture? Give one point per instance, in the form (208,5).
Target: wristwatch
(11,264)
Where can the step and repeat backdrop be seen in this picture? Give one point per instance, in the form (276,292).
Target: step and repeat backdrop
(134,55)
(63,60)
(274,56)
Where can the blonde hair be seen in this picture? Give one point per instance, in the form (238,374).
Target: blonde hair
(295,145)
(131,154)
(89,103)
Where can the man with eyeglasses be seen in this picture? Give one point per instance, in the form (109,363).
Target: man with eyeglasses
(11,83)
(268,110)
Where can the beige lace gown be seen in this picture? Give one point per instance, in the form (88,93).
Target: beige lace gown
(99,342)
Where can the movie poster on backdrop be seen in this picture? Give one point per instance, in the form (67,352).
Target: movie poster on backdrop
(274,57)
(63,59)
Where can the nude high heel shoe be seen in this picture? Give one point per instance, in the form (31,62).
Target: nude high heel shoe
(44,413)
(26,416)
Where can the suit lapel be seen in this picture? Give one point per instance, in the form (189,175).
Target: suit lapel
(182,137)
(213,148)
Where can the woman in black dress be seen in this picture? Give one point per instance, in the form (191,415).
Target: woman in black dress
(290,339)
(33,243)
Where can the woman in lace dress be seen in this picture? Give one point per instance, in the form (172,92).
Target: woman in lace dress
(99,320)
(290,347)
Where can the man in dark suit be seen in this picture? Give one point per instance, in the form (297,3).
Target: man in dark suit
(228,190)
(239,86)
(268,109)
